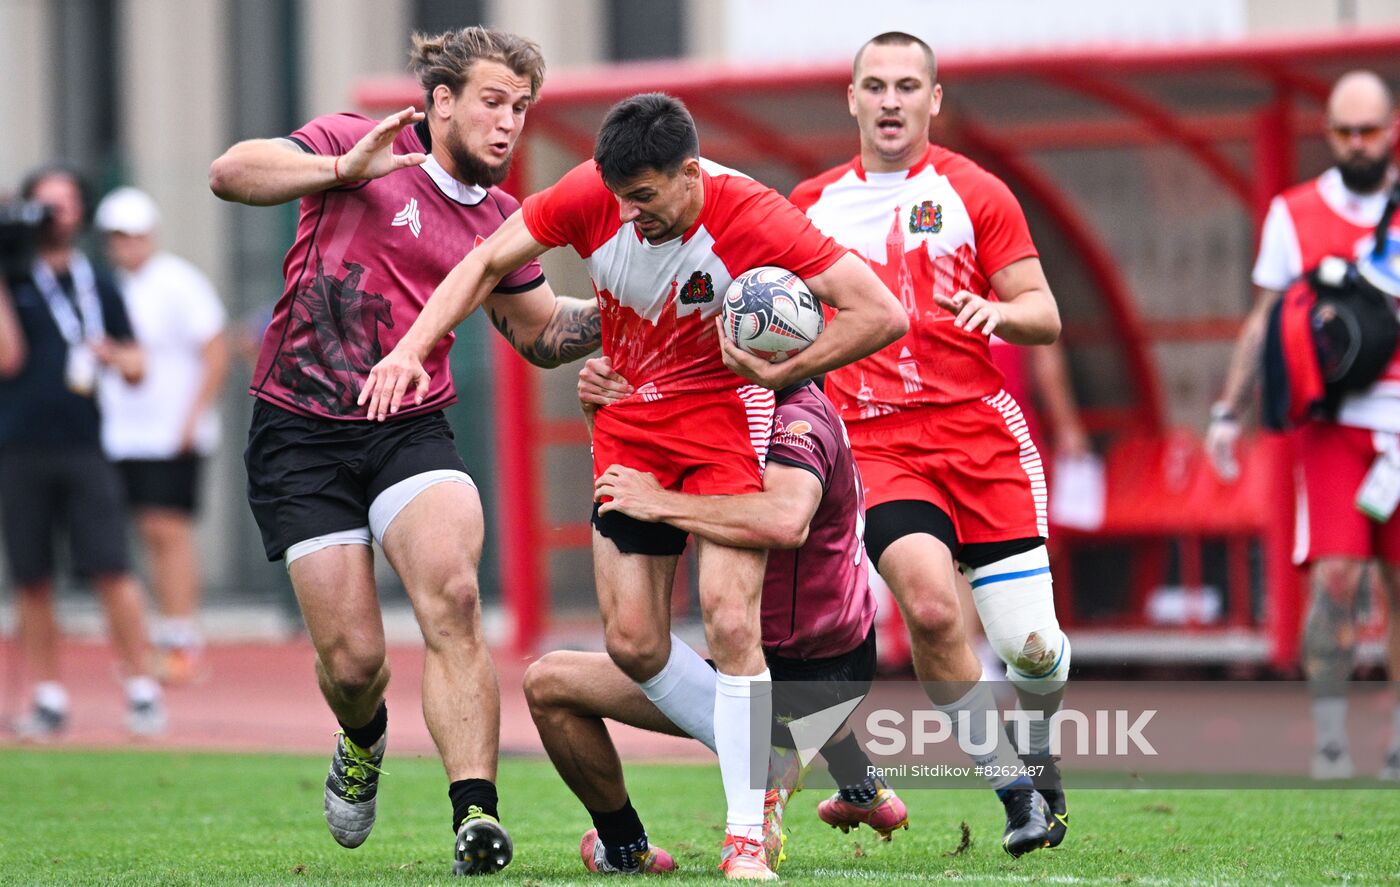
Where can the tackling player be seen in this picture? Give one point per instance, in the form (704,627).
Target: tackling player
(818,626)
(950,470)
(663,233)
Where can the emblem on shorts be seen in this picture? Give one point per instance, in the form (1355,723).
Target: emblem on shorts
(926,218)
(409,216)
(698,290)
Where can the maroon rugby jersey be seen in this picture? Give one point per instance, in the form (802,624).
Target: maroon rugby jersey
(816,599)
(365,260)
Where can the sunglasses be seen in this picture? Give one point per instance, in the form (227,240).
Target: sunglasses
(1366,131)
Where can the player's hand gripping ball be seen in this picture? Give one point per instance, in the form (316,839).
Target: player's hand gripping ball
(770,313)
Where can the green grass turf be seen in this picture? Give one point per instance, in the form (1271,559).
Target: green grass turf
(127,818)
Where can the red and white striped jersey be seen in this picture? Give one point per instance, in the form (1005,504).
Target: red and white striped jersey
(659,301)
(1305,224)
(942,226)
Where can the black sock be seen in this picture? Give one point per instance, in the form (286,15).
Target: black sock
(368,734)
(622,835)
(850,767)
(468,793)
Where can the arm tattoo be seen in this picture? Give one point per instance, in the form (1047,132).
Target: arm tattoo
(574,330)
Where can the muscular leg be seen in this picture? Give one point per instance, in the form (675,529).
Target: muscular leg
(435,545)
(569,694)
(335,588)
(731,585)
(919,570)
(634,599)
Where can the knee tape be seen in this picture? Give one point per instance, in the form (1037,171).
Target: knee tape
(1016,603)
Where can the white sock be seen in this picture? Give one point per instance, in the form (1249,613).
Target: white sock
(970,721)
(1039,735)
(739,699)
(52,696)
(684,690)
(141,690)
(178,633)
(1330,721)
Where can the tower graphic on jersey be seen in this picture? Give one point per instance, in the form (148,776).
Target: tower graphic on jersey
(894,251)
(332,339)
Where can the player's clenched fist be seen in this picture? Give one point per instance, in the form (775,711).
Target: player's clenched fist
(390,380)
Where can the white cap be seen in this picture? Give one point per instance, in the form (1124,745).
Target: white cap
(129,211)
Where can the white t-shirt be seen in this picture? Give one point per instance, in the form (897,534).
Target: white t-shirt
(174,312)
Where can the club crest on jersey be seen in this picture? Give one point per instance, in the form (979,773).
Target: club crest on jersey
(926,218)
(699,289)
(408,216)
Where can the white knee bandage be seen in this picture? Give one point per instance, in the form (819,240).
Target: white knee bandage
(1015,600)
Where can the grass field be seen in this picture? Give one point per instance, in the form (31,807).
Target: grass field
(128,818)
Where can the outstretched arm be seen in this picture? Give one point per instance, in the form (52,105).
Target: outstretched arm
(265,172)
(778,517)
(461,292)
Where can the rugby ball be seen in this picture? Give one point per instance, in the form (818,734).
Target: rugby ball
(770,313)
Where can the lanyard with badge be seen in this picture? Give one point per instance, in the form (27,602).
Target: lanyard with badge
(77,327)
(1380,491)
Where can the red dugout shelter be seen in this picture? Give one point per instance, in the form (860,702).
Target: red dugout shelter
(1145,173)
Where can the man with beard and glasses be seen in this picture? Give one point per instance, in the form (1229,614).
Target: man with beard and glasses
(387,209)
(1334,214)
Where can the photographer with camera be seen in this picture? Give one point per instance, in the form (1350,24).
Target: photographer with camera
(1347,453)
(61,320)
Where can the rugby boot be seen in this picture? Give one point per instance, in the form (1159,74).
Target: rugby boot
(483,847)
(351,788)
(1025,821)
(884,813)
(654,861)
(1046,776)
(743,859)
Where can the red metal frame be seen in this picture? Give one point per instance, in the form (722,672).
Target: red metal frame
(724,99)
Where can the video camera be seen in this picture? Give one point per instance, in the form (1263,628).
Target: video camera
(22,224)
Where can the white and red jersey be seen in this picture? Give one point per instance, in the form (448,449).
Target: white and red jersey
(659,301)
(942,226)
(1305,224)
